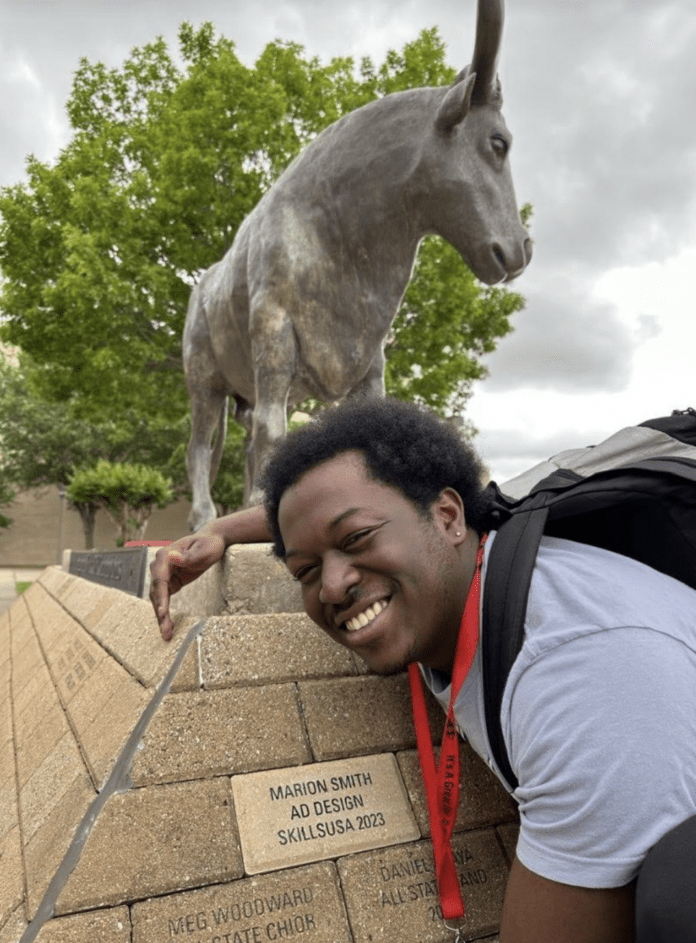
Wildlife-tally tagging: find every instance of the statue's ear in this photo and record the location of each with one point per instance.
(454, 107)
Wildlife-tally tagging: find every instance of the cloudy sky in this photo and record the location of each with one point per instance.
(601, 98)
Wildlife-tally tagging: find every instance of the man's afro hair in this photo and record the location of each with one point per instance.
(404, 446)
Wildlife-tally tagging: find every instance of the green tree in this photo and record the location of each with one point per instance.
(446, 322)
(42, 442)
(127, 493)
(7, 495)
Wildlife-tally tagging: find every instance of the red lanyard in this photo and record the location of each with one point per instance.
(442, 781)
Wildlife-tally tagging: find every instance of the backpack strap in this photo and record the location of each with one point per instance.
(506, 589)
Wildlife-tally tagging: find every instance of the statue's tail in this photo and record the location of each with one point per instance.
(216, 457)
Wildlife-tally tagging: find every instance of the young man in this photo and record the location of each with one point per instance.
(378, 511)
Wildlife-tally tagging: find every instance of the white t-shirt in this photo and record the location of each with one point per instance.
(598, 714)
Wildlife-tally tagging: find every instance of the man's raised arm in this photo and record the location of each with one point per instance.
(185, 559)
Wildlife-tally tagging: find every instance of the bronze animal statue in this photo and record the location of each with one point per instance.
(302, 302)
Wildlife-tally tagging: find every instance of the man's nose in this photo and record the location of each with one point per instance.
(338, 576)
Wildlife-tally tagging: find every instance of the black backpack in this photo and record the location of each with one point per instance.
(634, 493)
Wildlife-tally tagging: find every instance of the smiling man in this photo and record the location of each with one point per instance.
(378, 511)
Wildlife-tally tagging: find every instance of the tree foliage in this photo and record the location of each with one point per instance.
(127, 493)
(43, 442)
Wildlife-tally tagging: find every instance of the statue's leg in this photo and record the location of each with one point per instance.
(207, 405)
(274, 352)
(372, 384)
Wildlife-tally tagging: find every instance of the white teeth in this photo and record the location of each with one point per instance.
(364, 618)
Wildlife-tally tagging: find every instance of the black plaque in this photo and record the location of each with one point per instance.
(121, 569)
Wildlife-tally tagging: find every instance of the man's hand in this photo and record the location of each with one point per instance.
(184, 560)
(178, 564)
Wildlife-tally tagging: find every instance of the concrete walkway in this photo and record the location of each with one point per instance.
(9, 577)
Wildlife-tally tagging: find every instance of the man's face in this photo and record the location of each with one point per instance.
(377, 576)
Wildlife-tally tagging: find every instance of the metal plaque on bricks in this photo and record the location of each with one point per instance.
(293, 816)
(120, 569)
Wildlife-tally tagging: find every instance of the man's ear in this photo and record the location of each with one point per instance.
(448, 511)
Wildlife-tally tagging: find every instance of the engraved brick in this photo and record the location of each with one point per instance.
(155, 841)
(259, 649)
(207, 733)
(323, 810)
(392, 894)
(482, 798)
(256, 581)
(355, 716)
(304, 903)
(98, 926)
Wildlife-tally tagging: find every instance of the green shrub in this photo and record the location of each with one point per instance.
(127, 493)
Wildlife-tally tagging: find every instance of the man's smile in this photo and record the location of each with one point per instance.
(364, 618)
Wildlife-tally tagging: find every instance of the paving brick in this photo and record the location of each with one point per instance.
(508, 835)
(48, 846)
(98, 926)
(103, 740)
(482, 799)
(255, 581)
(31, 695)
(55, 580)
(9, 814)
(36, 744)
(258, 649)
(11, 874)
(88, 602)
(304, 903)
(392, 894)
(188, 677)
(208, 733)
(36, 710)
(355, 716)
(25, 663)
(156, 841)
(13, 929)
(45, 789)
(126, 627)
(92, 686)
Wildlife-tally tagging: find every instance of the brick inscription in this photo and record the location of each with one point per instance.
(74, 665)
(252, 919)
(393, 894)
(309, 813)
(304, 904)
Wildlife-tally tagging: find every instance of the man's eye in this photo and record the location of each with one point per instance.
(356, 538)
(304, 572)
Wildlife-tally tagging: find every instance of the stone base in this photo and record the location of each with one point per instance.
(145, 770)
